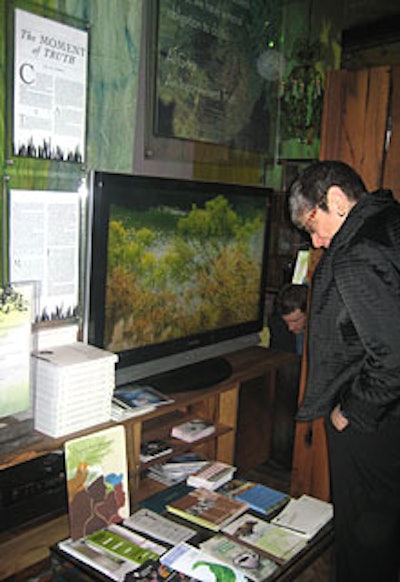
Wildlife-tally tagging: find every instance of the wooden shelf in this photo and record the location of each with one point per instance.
(219, 404)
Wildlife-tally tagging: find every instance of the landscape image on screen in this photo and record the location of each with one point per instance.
(173, 271)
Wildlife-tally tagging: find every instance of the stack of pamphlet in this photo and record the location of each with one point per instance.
(135, 399)
(214, 474)
(74, 386)
(154, 449)
(177, 468)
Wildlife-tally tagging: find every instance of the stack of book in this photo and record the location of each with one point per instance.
(212, 475)
(74, 388)
(134, 399)
(177, 468)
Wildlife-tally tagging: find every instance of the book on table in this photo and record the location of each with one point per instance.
(261, 498)
(120, 542)
(114, 552)
(207, 508)
(114, 568)
(158, 501)
(247, 560)
(275, 542)
(200, 565)
(306, 515)
(159, 527)
(212, 475)
(193, 430)
(154, 571)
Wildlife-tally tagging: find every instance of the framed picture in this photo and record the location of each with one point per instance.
(200, 56)
(47, 87)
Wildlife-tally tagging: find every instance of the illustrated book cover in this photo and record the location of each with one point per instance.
(213, 475)
(248, 561)
(159, 527)
(275, 542)
(200, 565)
(97, 480)
(207, 508)
(124, 544)
(192, 430)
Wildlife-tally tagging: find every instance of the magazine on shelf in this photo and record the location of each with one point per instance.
(159, 527)
(275, 542)
(136, 395)
(200, 565)
(192, 430)
(306, 515)
(120, 411)
(177, 468)
(212, 475)
(207, 508)
(153, 449)
(248, 561)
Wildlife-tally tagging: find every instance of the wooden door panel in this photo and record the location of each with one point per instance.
(391, 174)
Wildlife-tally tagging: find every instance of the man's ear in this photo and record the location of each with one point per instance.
(337, 201)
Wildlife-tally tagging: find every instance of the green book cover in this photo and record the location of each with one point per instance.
(116, 545)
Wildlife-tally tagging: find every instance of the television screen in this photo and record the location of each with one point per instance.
(174, 265)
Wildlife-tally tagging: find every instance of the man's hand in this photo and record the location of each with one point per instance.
(338, 420)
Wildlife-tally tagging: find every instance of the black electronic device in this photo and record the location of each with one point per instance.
(32, 491)
(176, 275)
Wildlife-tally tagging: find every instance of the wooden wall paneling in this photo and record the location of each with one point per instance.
(354, 120)
(391, 172)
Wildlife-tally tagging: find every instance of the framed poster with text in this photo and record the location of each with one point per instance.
(208, 83)
(50, 86)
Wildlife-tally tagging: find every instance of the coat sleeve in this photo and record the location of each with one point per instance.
(368, 280)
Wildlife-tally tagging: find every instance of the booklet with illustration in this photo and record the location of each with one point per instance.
(97, 480)
(248, 561)
(207, 508)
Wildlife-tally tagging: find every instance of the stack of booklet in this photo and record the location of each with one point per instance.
(74, 388)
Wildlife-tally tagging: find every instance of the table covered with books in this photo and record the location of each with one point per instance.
(241, 530)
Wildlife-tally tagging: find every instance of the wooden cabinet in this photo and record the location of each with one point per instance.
(29, 545)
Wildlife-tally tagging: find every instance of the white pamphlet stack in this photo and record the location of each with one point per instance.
(74, 384)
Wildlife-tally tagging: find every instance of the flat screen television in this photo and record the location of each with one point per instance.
(176, 276)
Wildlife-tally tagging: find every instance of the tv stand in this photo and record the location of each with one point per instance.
(191, 377)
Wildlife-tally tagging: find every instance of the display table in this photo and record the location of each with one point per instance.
(67, 568)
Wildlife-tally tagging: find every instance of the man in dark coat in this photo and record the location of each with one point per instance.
(354, 361)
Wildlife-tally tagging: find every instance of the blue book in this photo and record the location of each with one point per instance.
(260, 498)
